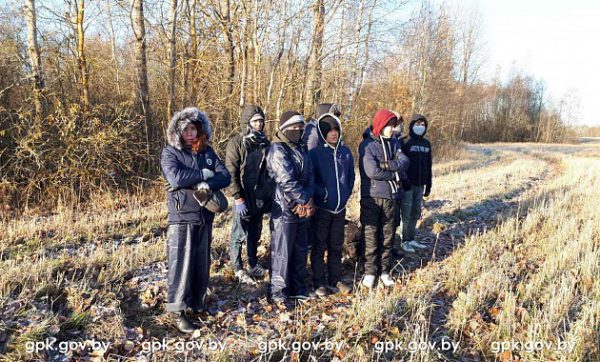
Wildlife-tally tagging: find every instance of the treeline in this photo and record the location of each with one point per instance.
(87, 87)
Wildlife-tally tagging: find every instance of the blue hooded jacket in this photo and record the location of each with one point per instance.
(183, 170)
(334, 172)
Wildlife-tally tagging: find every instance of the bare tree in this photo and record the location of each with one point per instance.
(82, 64)
(139, 31)
(312, 92)
(172, 55)
(34, 56)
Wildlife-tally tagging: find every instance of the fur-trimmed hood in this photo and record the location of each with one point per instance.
(181, 119)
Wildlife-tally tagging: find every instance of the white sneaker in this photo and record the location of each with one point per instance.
(406, 246)
(368, 281)
(416, 244)
(387, 280)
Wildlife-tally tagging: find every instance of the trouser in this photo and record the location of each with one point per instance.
(378, 219)
(248, 230)
(327, 234)
(410, 207)
(188, 258)
(289, 250)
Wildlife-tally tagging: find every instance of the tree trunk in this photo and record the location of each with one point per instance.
(313, 82)
(193, 88)
(81, 59)
(139, 31)
(34, 56)
(172, 56)
(113, 49)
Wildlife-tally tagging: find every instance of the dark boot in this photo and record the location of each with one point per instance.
(184, 324)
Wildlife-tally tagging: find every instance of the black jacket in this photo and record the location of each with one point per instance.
(418, 150)
(237, 150)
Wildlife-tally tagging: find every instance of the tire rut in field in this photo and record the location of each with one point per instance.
(477, 218)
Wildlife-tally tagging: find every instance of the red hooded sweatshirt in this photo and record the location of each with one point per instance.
(381, 119)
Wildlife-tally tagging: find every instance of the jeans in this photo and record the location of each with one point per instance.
(244, 229)
(410, 207)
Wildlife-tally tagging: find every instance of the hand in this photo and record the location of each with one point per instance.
(384, 165)
(241, 207)
(310, 208)
(406, 186)
(207, 174)
(300, 210)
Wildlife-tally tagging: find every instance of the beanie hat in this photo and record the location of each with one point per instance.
(290, 118)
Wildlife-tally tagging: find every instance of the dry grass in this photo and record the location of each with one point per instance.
(515, 256)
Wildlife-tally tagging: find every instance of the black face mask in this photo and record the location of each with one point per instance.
(294, 135)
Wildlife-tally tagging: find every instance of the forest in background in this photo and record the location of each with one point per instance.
(87, 87)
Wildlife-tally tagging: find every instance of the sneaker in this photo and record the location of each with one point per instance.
(368, 281)
(407, 247)
(256, 271)
(244, 278)
(386, 280)
(278, 298)
(321, 291)
(302, 297)
(342, 288)
(416, 244)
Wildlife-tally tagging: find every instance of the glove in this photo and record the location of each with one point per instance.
(202, 193)
(406, 186)
(206, 174)
(427, 191)
(241, 207)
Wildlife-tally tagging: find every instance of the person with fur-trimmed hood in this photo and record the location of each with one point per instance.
(418, 184)
(311, 136)
(193, 171)
(334, 179)
(290, 167)
(381, 164)
(246, 225)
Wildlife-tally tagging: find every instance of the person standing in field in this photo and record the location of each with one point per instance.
(311, 136)
(381, 163)
(418, 150)
(334, 179)
(193, 171)
(244, 155)
(290, 167)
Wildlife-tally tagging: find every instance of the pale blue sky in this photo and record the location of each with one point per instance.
(554, 40)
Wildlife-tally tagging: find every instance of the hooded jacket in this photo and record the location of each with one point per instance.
(290, 167)
(311, 136)
(334, 171)
(238, 148)
(418, 150)
(374, 149)
(183, 170)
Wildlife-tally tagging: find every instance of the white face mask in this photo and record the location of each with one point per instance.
(419, 130)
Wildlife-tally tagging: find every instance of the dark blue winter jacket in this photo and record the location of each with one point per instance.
(290, 167)
(375, 181)
(183, 171)
(334, 173)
